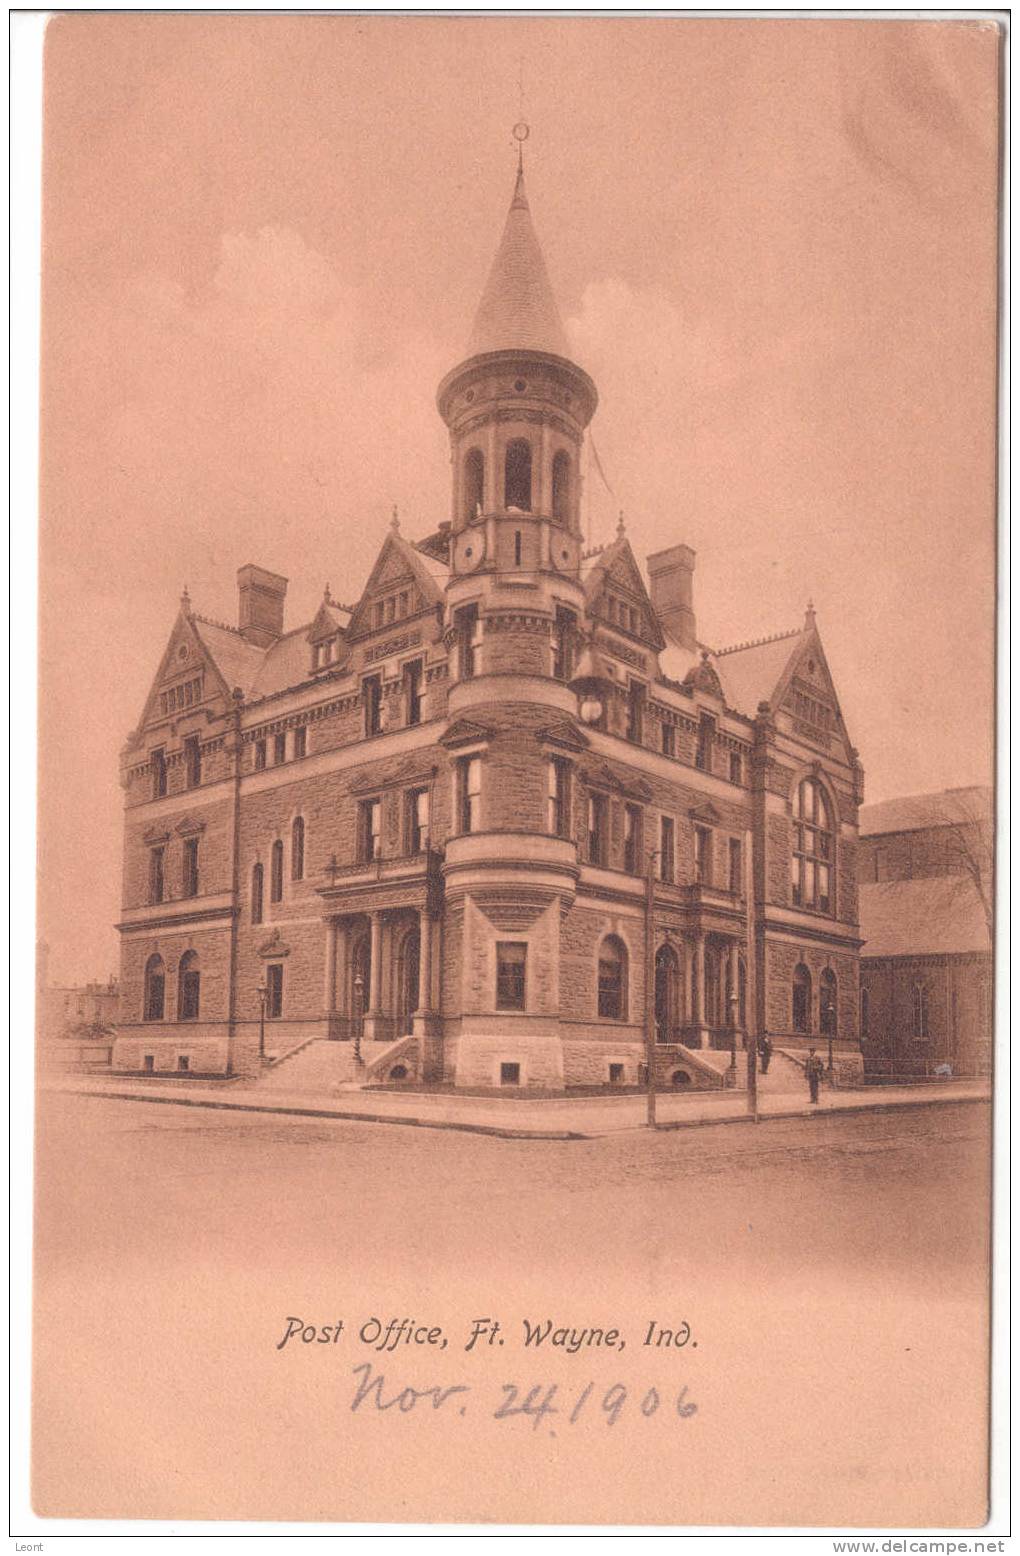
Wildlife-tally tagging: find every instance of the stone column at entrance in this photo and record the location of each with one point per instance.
(329, 993)
(700, 990)
(374, 1014)
(734, 1010)
(424, 1021)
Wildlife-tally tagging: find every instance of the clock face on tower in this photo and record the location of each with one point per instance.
(469, 549)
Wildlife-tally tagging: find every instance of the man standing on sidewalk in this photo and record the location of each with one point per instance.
(764, 1052)
(813, 1070)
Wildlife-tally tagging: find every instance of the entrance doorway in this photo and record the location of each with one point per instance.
(361, 982)
(668, 1013)
(407, 982)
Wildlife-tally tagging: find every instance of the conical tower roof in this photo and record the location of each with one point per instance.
(518, 310)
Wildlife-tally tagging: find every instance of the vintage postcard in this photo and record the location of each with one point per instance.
(517, 635)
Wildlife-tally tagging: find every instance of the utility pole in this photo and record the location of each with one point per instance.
(650, 982)
(752, 976)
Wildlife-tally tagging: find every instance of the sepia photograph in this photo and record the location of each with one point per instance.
(515, 1007)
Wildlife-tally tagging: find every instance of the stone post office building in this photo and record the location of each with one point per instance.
(417, 828)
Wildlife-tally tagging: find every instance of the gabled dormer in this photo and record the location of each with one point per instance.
(327, 635)
(189, 680)
(400, 587)
(617, 600)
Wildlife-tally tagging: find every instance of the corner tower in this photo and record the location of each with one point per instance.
(516, 408)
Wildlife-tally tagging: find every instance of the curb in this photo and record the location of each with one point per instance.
(511, 1132)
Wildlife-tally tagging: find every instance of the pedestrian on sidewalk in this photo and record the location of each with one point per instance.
(764, 1053)
(813, 1069)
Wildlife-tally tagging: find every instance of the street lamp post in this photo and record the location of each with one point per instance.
(262, 992)
(734, 1016)
(359, 1006)
(650, 983)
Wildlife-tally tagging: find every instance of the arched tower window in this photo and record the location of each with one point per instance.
(813, 851)
(256, 894)
(297, 849)
(276, 872)
(827, 1010)
(517, 475)
(474, 482)
(561, 486)
(188, 986)
(801, 999)
(155, 988)
(613, 979)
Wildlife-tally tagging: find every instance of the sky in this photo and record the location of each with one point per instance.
(774, 244)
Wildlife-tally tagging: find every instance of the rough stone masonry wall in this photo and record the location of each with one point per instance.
(144, 828)
(781, 957)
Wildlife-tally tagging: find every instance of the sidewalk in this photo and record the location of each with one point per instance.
(548, 1118)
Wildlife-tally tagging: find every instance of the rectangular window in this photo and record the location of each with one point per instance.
(184, 1063)
(158, 760)
(276, 872)
(417, 821)
(378, 613)
(371, 692)
(469, 793)
(558, 818)
(598, 814)
(412, 691)
(509, 1075)
(632, 839)
(616, 1075)
(563, 644)
(300, 741)
(467, 641)
(706, 737)
(369, 830)
(402, 603)
(511, 964)
(703, 856)
(635, 710)
(736, 767)
(667, 849)
(260, 755)
(669, 740)
(736, 865)
(149, 1063)
(279, 748)
(190, 867)
(193, 761)
(156, 881)
(274, 990)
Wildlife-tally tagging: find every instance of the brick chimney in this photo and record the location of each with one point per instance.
(260, 597)
(671, 576)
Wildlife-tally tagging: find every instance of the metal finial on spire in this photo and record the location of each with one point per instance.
(395, 520)
(809, 614)
(621, 527)
(521, 129)
(185, 601)
(326, 597)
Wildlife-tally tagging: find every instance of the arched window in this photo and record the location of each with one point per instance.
(188, 981)
(276, 872)
(920, 1011)
(613, 979)
(801, 999)
(297, 849)
(813, 853)
(474, 482)
(257, 878)
(561, 486)
(517, 475)
(155, 988)
(827, 1017)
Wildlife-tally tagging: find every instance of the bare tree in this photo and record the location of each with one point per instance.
(964, 819)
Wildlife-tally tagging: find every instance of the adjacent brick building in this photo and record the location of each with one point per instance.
(421, 822)
(926, 921)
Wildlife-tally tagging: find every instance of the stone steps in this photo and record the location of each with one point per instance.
(320, 1066)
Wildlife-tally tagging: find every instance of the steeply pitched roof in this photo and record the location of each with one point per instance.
(915, 812)
(518, 309)
(749, 675)
(237, 660)
(932, 917)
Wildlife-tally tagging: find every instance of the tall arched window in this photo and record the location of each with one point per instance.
(188, 982)
(827, 1016)
(474, 482)
(920, 1011)
(813, 852)
(155, 988)
(613, 979)
(517, 475)
(297, 849)
(561, 486)
(276, 872)
(257, 881)
(801, 999)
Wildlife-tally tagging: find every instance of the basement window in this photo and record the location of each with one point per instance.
(509, 1075)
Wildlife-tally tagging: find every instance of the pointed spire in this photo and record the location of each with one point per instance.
(518, 309)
